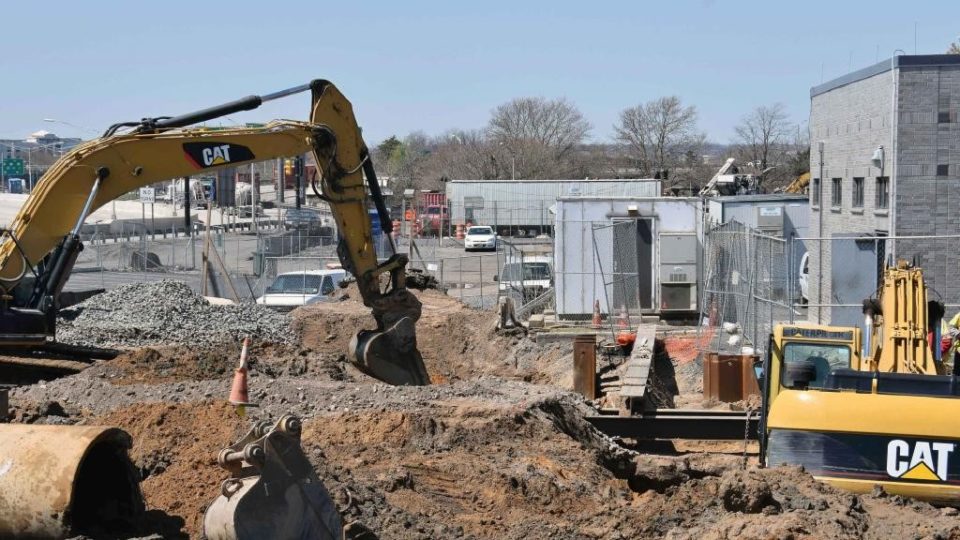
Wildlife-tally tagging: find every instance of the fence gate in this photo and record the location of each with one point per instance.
(747, 282)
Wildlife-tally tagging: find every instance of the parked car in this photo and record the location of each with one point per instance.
(293, 289)
(805, 278)
(480, 237)
(525, 279)
(304, 218)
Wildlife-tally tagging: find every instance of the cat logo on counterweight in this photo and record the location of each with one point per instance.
(920, 461)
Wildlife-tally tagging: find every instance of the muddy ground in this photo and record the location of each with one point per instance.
(496, 448)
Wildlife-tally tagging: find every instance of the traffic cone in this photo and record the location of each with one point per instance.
(239, 394)
(597, 321)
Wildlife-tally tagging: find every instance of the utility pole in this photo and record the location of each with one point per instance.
(281, 180)
(254, 197)
(186, 205)
(298, 176)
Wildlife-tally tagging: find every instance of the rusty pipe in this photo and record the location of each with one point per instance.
(57, 481)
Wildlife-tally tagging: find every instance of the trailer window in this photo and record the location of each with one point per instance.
(824, 357)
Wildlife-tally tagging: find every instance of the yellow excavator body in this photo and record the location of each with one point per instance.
(859, 409)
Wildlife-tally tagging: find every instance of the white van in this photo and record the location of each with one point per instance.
(292, 289)
(525, 279)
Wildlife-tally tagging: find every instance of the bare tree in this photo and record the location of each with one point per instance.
(658, 133)
(762, 133)
(954, 48)
(464, 154)
(539, 135)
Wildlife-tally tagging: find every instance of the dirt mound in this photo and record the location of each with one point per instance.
(457, 343)
(175, 448)
(487, 454)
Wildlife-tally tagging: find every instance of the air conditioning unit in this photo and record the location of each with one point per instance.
(770, 220)
(678, 297)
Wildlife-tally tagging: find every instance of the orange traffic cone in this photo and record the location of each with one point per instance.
(239, 394)
(597, 321)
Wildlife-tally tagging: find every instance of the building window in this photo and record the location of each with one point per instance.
(858, 192)
(943, 170)
(883, 192)
(836, 197)
(815, 192)
(943, 117)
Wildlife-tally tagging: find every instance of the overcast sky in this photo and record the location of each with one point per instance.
(433, 66)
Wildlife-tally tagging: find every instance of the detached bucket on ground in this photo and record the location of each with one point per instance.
(57, 481)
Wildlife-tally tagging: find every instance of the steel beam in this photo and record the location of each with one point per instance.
(680, 424)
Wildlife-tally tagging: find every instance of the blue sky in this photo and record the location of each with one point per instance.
(432, 66)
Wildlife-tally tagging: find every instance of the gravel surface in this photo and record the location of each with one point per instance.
(167, 313)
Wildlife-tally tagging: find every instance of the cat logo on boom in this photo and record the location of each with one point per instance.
(921, 460)
(213, 154)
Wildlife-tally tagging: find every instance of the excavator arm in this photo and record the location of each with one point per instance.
(37, 252)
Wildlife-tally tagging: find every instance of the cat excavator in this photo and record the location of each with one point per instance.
(861, 407)
(58, 480)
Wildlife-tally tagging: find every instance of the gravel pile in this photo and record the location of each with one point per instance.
(166, 313)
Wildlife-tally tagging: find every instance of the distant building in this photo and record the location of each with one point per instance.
(526, 207)
(884, 162)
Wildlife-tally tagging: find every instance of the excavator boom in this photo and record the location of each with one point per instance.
(38, 250)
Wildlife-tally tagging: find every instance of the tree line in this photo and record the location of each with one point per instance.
(540, 138)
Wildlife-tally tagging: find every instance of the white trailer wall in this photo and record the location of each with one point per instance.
(529, 202)
(579, 281)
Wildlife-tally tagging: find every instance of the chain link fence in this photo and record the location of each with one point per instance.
(253, 260)
(839, 272)
(747, 288)
(617, 255)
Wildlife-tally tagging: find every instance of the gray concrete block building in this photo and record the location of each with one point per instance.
(885, 163)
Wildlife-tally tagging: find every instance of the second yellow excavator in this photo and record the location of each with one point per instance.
(865, 407)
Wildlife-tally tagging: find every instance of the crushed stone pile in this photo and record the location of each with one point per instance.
(166, 313)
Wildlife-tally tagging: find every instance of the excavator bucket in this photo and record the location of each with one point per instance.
(273, 491)
(390, 356)
(60, 481)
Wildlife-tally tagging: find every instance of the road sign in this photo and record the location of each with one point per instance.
(148, 195)
(13, 167)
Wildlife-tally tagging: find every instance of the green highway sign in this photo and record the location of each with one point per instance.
(13, 167)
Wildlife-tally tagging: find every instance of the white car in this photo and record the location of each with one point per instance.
(480, 237)
(293, 289)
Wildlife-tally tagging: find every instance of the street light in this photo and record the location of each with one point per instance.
(81, 128)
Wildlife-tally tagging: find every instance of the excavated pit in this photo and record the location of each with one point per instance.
(498, 447)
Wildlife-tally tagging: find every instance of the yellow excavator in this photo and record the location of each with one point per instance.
(799, 184)
(865, 407)
(55, 480)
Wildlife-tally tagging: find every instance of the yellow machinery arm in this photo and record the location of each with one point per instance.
(38, 251)
(897, 323)
(799, 184)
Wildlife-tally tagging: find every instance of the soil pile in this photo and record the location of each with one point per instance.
(166, 313)
(488, 453)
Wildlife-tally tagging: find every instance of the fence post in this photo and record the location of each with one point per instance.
(481, 282)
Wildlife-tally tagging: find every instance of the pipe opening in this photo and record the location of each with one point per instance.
(106, 496)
